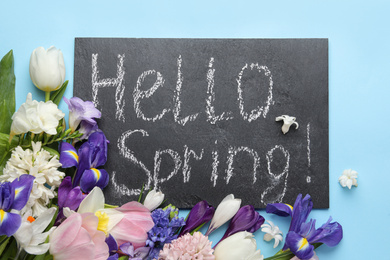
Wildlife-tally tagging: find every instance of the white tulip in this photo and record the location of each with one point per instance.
(241, 246)
(224, 212)
(36, 117)
(153, 199)
(47, 68)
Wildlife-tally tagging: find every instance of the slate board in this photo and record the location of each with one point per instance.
(195, 118)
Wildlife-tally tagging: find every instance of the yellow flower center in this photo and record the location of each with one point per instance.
(2, 213)
(304, 243)
(103, 221)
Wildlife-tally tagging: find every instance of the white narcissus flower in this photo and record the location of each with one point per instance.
(272, 232)
(224, 212)
(348, 178)
(47, 68)
(241, 246)
(153, 199)
(30, 235)
(40, 164)
(36, 117)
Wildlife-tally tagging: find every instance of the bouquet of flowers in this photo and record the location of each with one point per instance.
(52, 205)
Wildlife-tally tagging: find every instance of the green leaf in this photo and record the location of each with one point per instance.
(51, 151)
(7, 92)
(3, 244)
(123, 258)
(287, 255)
(11, 249)
(56, 96)
(5, 149)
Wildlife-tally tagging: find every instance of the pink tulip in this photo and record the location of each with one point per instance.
(134, 225)
(78, 238)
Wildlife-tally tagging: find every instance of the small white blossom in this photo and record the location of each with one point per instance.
(43, 166)
(272, 232)
(287, 122)
(348, 178)
(36, 117)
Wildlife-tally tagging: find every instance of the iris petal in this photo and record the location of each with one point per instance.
(330, 234)
(279, 209)
(94, 177)
(22, 187)
(68, 155)
(9, 223)
(299, 246)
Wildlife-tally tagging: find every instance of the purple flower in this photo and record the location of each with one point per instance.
(81, 111)
(301, 234)
(246, 219)
(167, 223)
(201, 213)
(137, 254)
(68, 197)
(91, 154)
(13, 196)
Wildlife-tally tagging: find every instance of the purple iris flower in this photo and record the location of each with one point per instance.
(68, 197)
(201, 213)
(91, 154)
(303, 234)
(82, 113)
(13, 195)
(246, 219)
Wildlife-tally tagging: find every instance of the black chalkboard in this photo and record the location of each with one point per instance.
(196, 117)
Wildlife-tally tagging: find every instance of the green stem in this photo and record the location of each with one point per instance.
(47, 96)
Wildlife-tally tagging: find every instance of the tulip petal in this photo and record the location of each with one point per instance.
(224, 212)
(68, 155)
(9, 223)
(22, 187)
(93, 202)
(94, 177)
(65, 233)
(201, 213)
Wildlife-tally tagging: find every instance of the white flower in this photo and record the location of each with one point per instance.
(287, 122)
(348, 178)
(153, 199)
(36, 117)
(43, 166)
(47, 68)
(241, 246)
(30, 235)
(224, 212)
(272, 232)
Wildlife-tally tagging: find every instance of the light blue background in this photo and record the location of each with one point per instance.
(359, 65)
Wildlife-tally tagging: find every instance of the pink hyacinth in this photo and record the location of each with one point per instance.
(188, 247)
(78, 238)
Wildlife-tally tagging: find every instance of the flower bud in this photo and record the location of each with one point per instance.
(47, 68)
(153, 199)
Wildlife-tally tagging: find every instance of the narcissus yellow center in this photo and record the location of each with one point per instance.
(103, 221)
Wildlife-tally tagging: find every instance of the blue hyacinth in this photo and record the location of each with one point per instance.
(167, 225)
